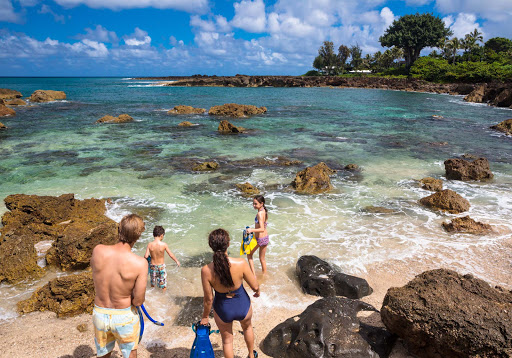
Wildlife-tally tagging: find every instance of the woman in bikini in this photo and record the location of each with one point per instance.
(260, 232)
(225, 276)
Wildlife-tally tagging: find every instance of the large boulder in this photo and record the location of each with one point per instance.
(313, 180)
(431, 184)
(461, 169)
(226, 127)
(205, 166)
(505, 126)
(330, 327)
(446, 200)
(123, 118)
(248, 189)
(6, 111)
(74, 227)
(320, 278)
(16, 102)
(47, 96)
(443, 314)
(478, 95)
(67, 296)
(186, 110)
(236, 110)
(6, 93)
(467, 225)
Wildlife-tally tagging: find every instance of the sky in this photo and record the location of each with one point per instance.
(186, 37)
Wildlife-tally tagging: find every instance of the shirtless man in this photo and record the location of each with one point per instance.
(120, 279)
(156, 251)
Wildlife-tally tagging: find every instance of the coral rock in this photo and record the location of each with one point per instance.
(236, 110)
(186, 124)
(206, 166)
(446, 200)
(47, 96)
(6, 93)
(314, 180)
(431, 184)
(123, 118)
(6, 111)
(16, 102)
(226, 127)
(186, 110)
(460, 169)
(247, 189)
(467, 225)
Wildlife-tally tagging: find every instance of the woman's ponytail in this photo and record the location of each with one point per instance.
(219, 242)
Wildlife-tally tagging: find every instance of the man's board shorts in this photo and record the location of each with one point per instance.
(115, 325)
(158, 275)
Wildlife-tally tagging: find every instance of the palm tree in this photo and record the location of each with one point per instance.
(452, 46)
(476, 36)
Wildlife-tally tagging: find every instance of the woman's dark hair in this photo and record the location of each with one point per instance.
(219, 242)
(260, 199)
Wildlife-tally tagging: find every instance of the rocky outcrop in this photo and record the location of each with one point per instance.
(205, 166)
(468, 226)
(313, 180)
(446, 200)
(74, 227)
(185, 124)
(236, 110)
(477, 95)
(123, 118)
(186, 110)
(248, 189)
(319, 278)
(226, 127)
(505, 126)
(443, 314)
(16, 102)
(6, 93)
(66, 296)
(6, 111)
(460, 169)
(431, 184)
(47, 96)
(330, 327)
(503, 98)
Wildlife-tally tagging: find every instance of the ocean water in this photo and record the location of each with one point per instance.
(55, 148)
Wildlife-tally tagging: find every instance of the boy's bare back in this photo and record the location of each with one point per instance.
(157, 252)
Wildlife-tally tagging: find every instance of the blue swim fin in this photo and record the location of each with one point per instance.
(202, 347)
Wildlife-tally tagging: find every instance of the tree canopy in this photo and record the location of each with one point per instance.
(412, 33)
(499, 44)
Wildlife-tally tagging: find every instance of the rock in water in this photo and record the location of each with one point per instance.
(467, 225)
(16, 102)
(186, 110)
(6, 111)
(460, 169)
(329, 328)
(226, 127)
(248, 189)
(236, 110)
(446, 200)
(505, 126)
(320, 278)
(123, 118)
(6, 93)
(47, 96)
(314, 180)
(431, 184)
(443, 314)
(2, 126)
(185, 124)
(206, 166)
(67, 296)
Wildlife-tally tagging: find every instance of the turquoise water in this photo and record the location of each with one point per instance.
(55, 148)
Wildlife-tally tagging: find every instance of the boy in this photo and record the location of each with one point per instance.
(156, 251)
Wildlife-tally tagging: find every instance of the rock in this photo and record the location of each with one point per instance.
(2, 126)
(467, 225)
(67, 296)
(236, 110)
(73, 226)
(226, 127)
(443, 314)
(446, 200)
(313, 180)
(320, 278)
(186, 110)
(352, 167)
(6, 93)
(370, 209)
(46, 96)
(330, 327)
(503, 99)
(82, 327)
(431, 184)
(6, 111)
(206, 166)
(16, 102)
(186, 124)
(248, 189)
(505, 126)
(477, 95)
(123, 118)
(460, 169)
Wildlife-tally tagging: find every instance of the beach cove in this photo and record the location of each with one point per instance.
(395, 138)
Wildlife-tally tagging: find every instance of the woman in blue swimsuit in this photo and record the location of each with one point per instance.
(225, 276)
(260, 231)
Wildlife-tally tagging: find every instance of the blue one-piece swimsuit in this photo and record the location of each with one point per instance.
(234, 308)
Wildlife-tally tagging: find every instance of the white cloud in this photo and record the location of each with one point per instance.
(250, 16)
(462, 25)
(99, 34)
(487, 9)
(193, 6)
(138, 38)
(45, 9)
(7, 13)
(174, 42)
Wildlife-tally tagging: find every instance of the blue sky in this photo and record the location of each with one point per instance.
(185, 37)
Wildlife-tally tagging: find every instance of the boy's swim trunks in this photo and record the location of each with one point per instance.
(115, 325)
(158, 275)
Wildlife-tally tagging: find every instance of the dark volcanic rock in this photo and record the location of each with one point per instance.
(67, 296)
(329, 328)
(446, 200)
(226, 127)
(320, 278)
(460, 169)
(313, 180)
(443, 314)
(236, 110)
(431, 184)
(505, 126)
(467, 225)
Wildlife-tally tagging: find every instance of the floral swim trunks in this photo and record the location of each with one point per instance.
(115, 325)
(158, 275)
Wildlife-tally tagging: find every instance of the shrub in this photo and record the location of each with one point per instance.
(312, 73)
(429, 69)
